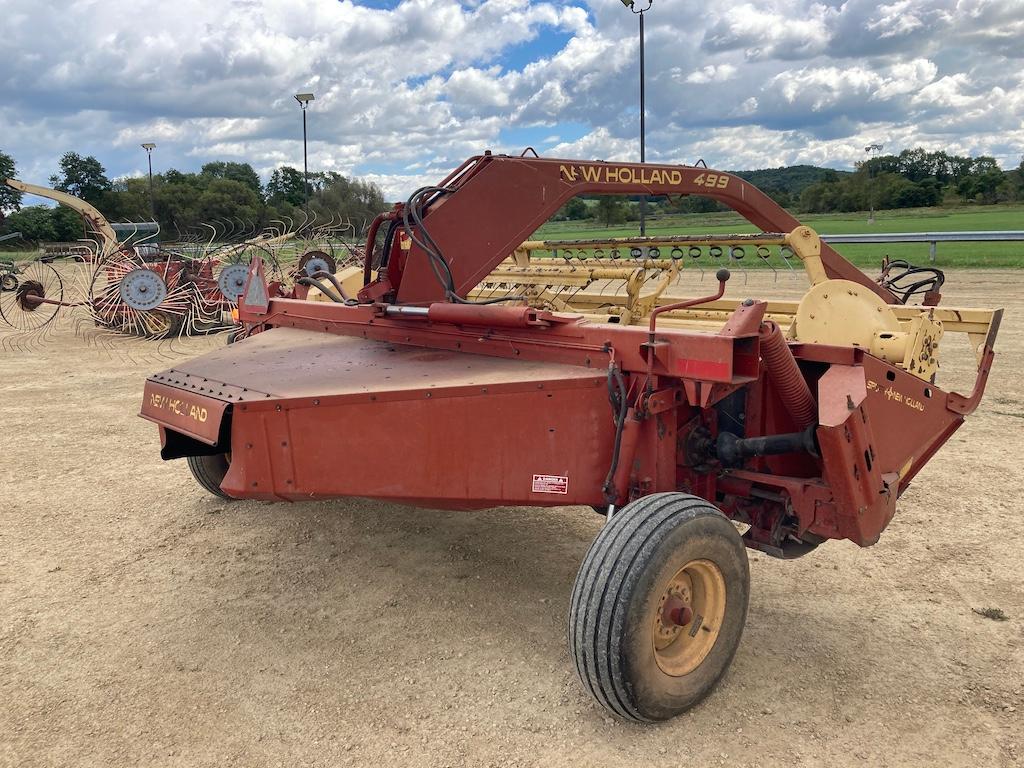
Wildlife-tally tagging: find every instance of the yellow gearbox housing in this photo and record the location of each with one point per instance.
(845, 314)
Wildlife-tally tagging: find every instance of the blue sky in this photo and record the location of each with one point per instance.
(407, 89)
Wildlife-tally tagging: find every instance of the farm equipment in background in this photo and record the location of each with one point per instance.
(9, 271)
(134, 285)
(31, 295)
(95, 221)
(462, 375)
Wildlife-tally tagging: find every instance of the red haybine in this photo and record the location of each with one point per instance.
(678, 432)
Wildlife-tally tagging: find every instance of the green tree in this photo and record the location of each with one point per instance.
(991, 185)
(82, 177)
(691, 204)
(67, 224)
(240, 172)
(175, 204)
(353, 199)
(924, 194)
(967, 188)
(41, 222)
(35, 222)
(128, 200)
(286, 185)
(781, 196)
(574, 210)
(611, 210)
(984, 164)
(10, 199)
(228, 199)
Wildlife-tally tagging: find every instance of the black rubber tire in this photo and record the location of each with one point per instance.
(209, 472)
(616, 595)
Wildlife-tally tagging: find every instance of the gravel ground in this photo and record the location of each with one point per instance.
(143, 622)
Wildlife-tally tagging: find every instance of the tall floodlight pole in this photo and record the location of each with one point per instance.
(304, 99)
(875, 149)
(631, 4)
(149, 147)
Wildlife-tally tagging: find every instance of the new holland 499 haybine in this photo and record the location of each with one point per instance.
(686, 421)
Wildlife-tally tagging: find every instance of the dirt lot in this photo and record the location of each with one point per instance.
(143, 622)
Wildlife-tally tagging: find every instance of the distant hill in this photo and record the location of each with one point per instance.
(790, 181)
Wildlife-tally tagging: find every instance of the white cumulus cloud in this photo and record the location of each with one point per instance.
(407, 91)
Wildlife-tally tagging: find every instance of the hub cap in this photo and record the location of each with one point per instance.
(316, 265)
(232, 281)
(142, 289)
(27, 291)
(313, 262)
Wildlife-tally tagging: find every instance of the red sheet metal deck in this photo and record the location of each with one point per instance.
(326, 416)
(288, 363)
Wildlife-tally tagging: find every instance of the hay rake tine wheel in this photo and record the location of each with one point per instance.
(36, 301)
(129, 295)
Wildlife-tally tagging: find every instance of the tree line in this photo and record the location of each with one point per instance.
(220, 193)
(232, 192)
(915, 178)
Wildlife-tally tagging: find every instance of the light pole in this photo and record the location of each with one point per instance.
(631, 4)
(149, 147)
(877, 150)
(304, 99)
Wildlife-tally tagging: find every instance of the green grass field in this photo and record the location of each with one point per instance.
(17, 255)
(867, 255)
(975, 218)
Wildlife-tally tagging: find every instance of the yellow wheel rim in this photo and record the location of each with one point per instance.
(156, 323)
(689, 617)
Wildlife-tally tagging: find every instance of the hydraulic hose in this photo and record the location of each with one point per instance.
(322, 287)
(321, 275)
(412, 214)
(617, 395)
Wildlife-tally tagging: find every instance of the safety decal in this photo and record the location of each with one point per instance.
(550, 484)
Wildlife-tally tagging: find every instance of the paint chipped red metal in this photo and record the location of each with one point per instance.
(192, 414)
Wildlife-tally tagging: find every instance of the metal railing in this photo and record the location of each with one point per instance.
(932, 238)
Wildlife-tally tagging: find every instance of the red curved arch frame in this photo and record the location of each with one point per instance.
(499, 201)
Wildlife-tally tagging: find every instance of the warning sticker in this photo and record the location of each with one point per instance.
(550, 484)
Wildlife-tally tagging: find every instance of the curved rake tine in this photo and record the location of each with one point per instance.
(213, 234)
(765, 254)
(152, 237)
(305, 221)
(783, 250)
(736, 255)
